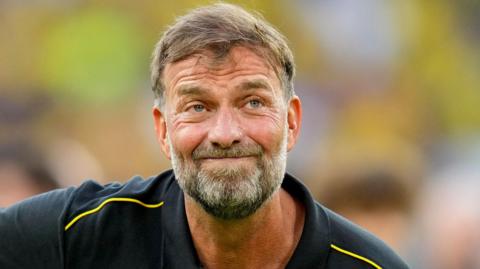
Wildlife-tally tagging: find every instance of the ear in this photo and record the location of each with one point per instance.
(161, 130)
(294, 119)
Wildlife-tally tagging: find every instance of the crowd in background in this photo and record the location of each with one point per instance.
(391, 131)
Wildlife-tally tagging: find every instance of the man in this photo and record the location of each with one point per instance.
(226, 115)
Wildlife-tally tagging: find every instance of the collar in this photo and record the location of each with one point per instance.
(314, 245)
(179, 251)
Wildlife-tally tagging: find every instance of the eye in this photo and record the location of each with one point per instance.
(255, 103)
(198, 108)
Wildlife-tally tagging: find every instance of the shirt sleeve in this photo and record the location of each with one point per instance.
(31, 232)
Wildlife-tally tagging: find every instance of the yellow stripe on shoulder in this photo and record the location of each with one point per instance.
(114, 199)
(355, 256)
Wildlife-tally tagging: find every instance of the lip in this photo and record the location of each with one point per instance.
(227, 158)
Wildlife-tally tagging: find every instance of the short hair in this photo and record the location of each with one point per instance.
(218, 28)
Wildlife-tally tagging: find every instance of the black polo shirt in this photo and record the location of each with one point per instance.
(142, 224)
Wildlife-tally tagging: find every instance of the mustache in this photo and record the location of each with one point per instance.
(237, 151)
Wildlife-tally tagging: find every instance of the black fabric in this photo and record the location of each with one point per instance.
(128, 235)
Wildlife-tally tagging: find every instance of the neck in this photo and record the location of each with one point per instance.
(266, 239)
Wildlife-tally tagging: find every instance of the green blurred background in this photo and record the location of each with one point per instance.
(390, 86)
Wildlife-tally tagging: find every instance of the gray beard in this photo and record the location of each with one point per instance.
(232, 192)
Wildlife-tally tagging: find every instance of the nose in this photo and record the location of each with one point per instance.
(226, 130)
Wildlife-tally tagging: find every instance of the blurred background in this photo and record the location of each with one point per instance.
(390, 89)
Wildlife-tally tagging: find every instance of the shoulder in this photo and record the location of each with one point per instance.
(350, 244)
(38, 214)
(92, 199)
(49, 227)
(331, 241)
(124, 215)
(33, 228)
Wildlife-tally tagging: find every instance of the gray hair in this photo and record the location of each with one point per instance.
(218, 28)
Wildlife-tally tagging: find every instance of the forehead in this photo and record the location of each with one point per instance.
(240, 62)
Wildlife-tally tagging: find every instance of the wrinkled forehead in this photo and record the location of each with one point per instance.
(238, 58)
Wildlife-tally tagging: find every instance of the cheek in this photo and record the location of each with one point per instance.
(185, 139)
(268, 134)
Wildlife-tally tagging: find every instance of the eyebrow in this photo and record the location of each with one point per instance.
(254, 84)
(190, 90)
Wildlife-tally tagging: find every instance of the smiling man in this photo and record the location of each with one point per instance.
(226, 127)
(226, 115)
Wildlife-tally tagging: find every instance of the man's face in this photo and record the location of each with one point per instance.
(227, 128)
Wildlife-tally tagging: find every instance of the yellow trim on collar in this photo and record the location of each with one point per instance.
(115, 199)
(355, 256)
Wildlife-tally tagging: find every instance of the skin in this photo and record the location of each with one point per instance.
(235, 101)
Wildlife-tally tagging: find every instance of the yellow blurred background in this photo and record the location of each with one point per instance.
(390, 91)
